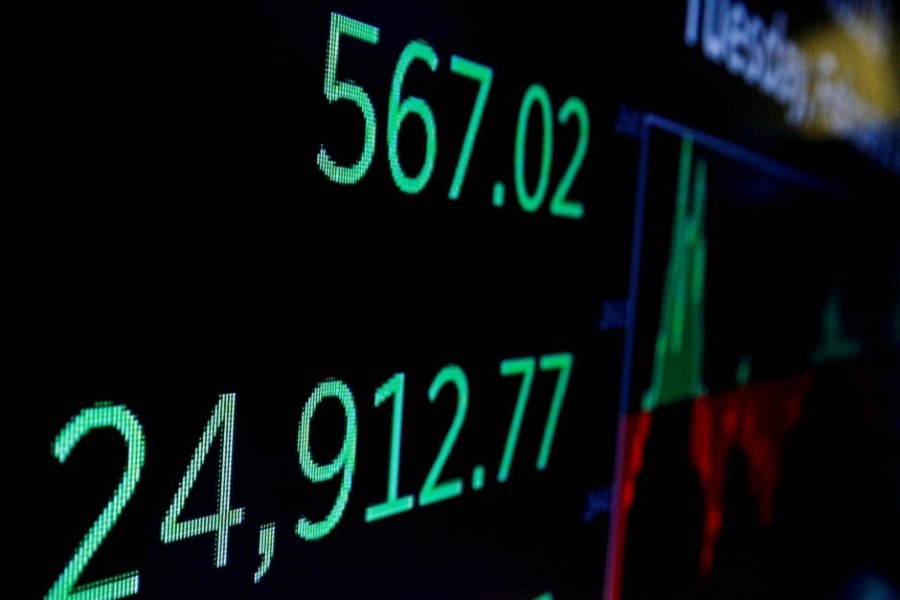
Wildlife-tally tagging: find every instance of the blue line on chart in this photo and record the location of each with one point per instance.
(729, 150)
(636, 241)
(741, 154)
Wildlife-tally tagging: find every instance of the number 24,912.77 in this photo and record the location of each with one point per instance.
(400, 108)
(221, 425)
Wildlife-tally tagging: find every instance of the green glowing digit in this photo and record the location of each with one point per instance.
(563, 363)
(340, 90)
(398, 111)
(559, 205)
(432, 491)
(484, 76)
(123, 421)
(534, 94)
(525, 368)
(344, 461)
(222, 419)
(392, 388)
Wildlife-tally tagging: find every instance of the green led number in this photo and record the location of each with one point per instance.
(559, 205)
(344, 461)
(484, 76)
(535, 94)
(398, 111)
(554, 362)
(524, 367)
(123, 421)
(432, 491)
(340, 90)
(222, 420)
(392, 388)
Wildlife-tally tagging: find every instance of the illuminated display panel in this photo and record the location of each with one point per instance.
(365, 300)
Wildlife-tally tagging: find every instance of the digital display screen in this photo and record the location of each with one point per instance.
(461, 301)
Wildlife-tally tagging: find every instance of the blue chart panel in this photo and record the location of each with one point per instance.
(748, 297)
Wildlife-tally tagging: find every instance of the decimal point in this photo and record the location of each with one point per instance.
(478, 477)
(499, 193)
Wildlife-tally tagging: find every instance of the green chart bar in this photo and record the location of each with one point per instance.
(678, 355)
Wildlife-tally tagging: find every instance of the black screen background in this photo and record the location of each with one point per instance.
(174, 240)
